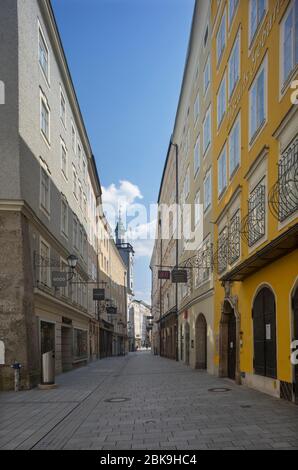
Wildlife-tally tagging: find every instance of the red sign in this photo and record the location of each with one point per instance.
(165, 275)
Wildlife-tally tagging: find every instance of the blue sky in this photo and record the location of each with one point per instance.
(127, 58)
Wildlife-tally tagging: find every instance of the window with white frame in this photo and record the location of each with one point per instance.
(75, 234)
(186, 185)
(222, 172)
(233, 4)
(80, 195)
(62, 108)
(221, 38)
(234, 147)
(64, 216)
(197, 208)
(84, 169)
(64, 269)
(44, 118)
(257, 10)
(257, 98)
(197, 108)
(44, 274)
(63, 159)
(207, 131)
(207, 191)
(75, 182)
(73, 138)
(207, 75)
(43, 54)
(289, 41)
(44, 190)
(234, 66)
(79, 155)
(205, 257)
(221, 101)
(197, 156)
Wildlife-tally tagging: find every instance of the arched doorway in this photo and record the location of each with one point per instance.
(201, 343)
(295, 338)
(229, 343)
(264, 329)
(187, 343)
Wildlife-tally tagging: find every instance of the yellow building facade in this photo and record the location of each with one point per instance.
(255, 192)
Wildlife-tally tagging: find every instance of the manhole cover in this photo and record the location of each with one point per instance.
(116, 400)
(219, 390)
(245, 406)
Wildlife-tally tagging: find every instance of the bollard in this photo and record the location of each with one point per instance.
(17, 367)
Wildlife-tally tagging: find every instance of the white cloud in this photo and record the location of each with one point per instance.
(127, 193)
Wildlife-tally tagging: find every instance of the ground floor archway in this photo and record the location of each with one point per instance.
(201, 343)
(229, 344)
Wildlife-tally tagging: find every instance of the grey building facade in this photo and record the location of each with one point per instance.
(50, 197)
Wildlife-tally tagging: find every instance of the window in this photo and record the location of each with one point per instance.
(197, 208)
(186, 185)
(73, 138)
(79, 155)
(207, 75)
(222, 172)
(234, 148)
(80, 344)
(205, 257)
(44, 275)
(43, 55)
(197, 156)
(75, 184)
(80, 196)
(62, 108)
(44, 118)
(75, 233)
(45, 190)
(221, 38)
(234, 66)
(207, 191)
(64, 269)
(233, 4)
(222, 255)
(85, 206)
(197, 108)
(63, 160)
(289, 39)
(207, 131)
(257, 105)
(257, 214)
(221, 101)
(257, 13)
(234, 238)
(64, 217)
(84, 169)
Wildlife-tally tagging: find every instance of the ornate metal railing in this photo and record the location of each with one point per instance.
(253, 226)
(223, 251)
(234, 238)
(283, 196)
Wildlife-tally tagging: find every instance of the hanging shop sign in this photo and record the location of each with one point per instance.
(59, 279)
(99, 294)
(164, 275)
(112, 310)
(179, 276)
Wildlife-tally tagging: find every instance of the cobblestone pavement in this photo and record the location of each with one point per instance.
(169, 406)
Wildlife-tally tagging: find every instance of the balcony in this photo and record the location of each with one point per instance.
(283, 197)
(253, 227)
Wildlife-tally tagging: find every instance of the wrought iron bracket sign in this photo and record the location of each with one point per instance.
(59, 279)
(179, 276)
(99, 294)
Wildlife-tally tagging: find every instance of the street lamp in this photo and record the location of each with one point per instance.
(72, 261)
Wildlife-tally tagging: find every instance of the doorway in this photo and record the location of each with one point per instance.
(264, 328)
(187, 343)
(232, 347)
(66, 348)
(201, 343)
(295, 317)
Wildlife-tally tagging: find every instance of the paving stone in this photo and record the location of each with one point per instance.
(169, 408)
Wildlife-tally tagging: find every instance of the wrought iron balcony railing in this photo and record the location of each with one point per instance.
(283, 196)
(253, 226)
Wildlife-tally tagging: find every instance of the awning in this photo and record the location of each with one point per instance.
(281, 246)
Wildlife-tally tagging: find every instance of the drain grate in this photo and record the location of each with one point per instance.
(117, 400)
(245, 406)
(219, 390)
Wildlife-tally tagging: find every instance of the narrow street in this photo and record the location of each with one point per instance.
(167, 406)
